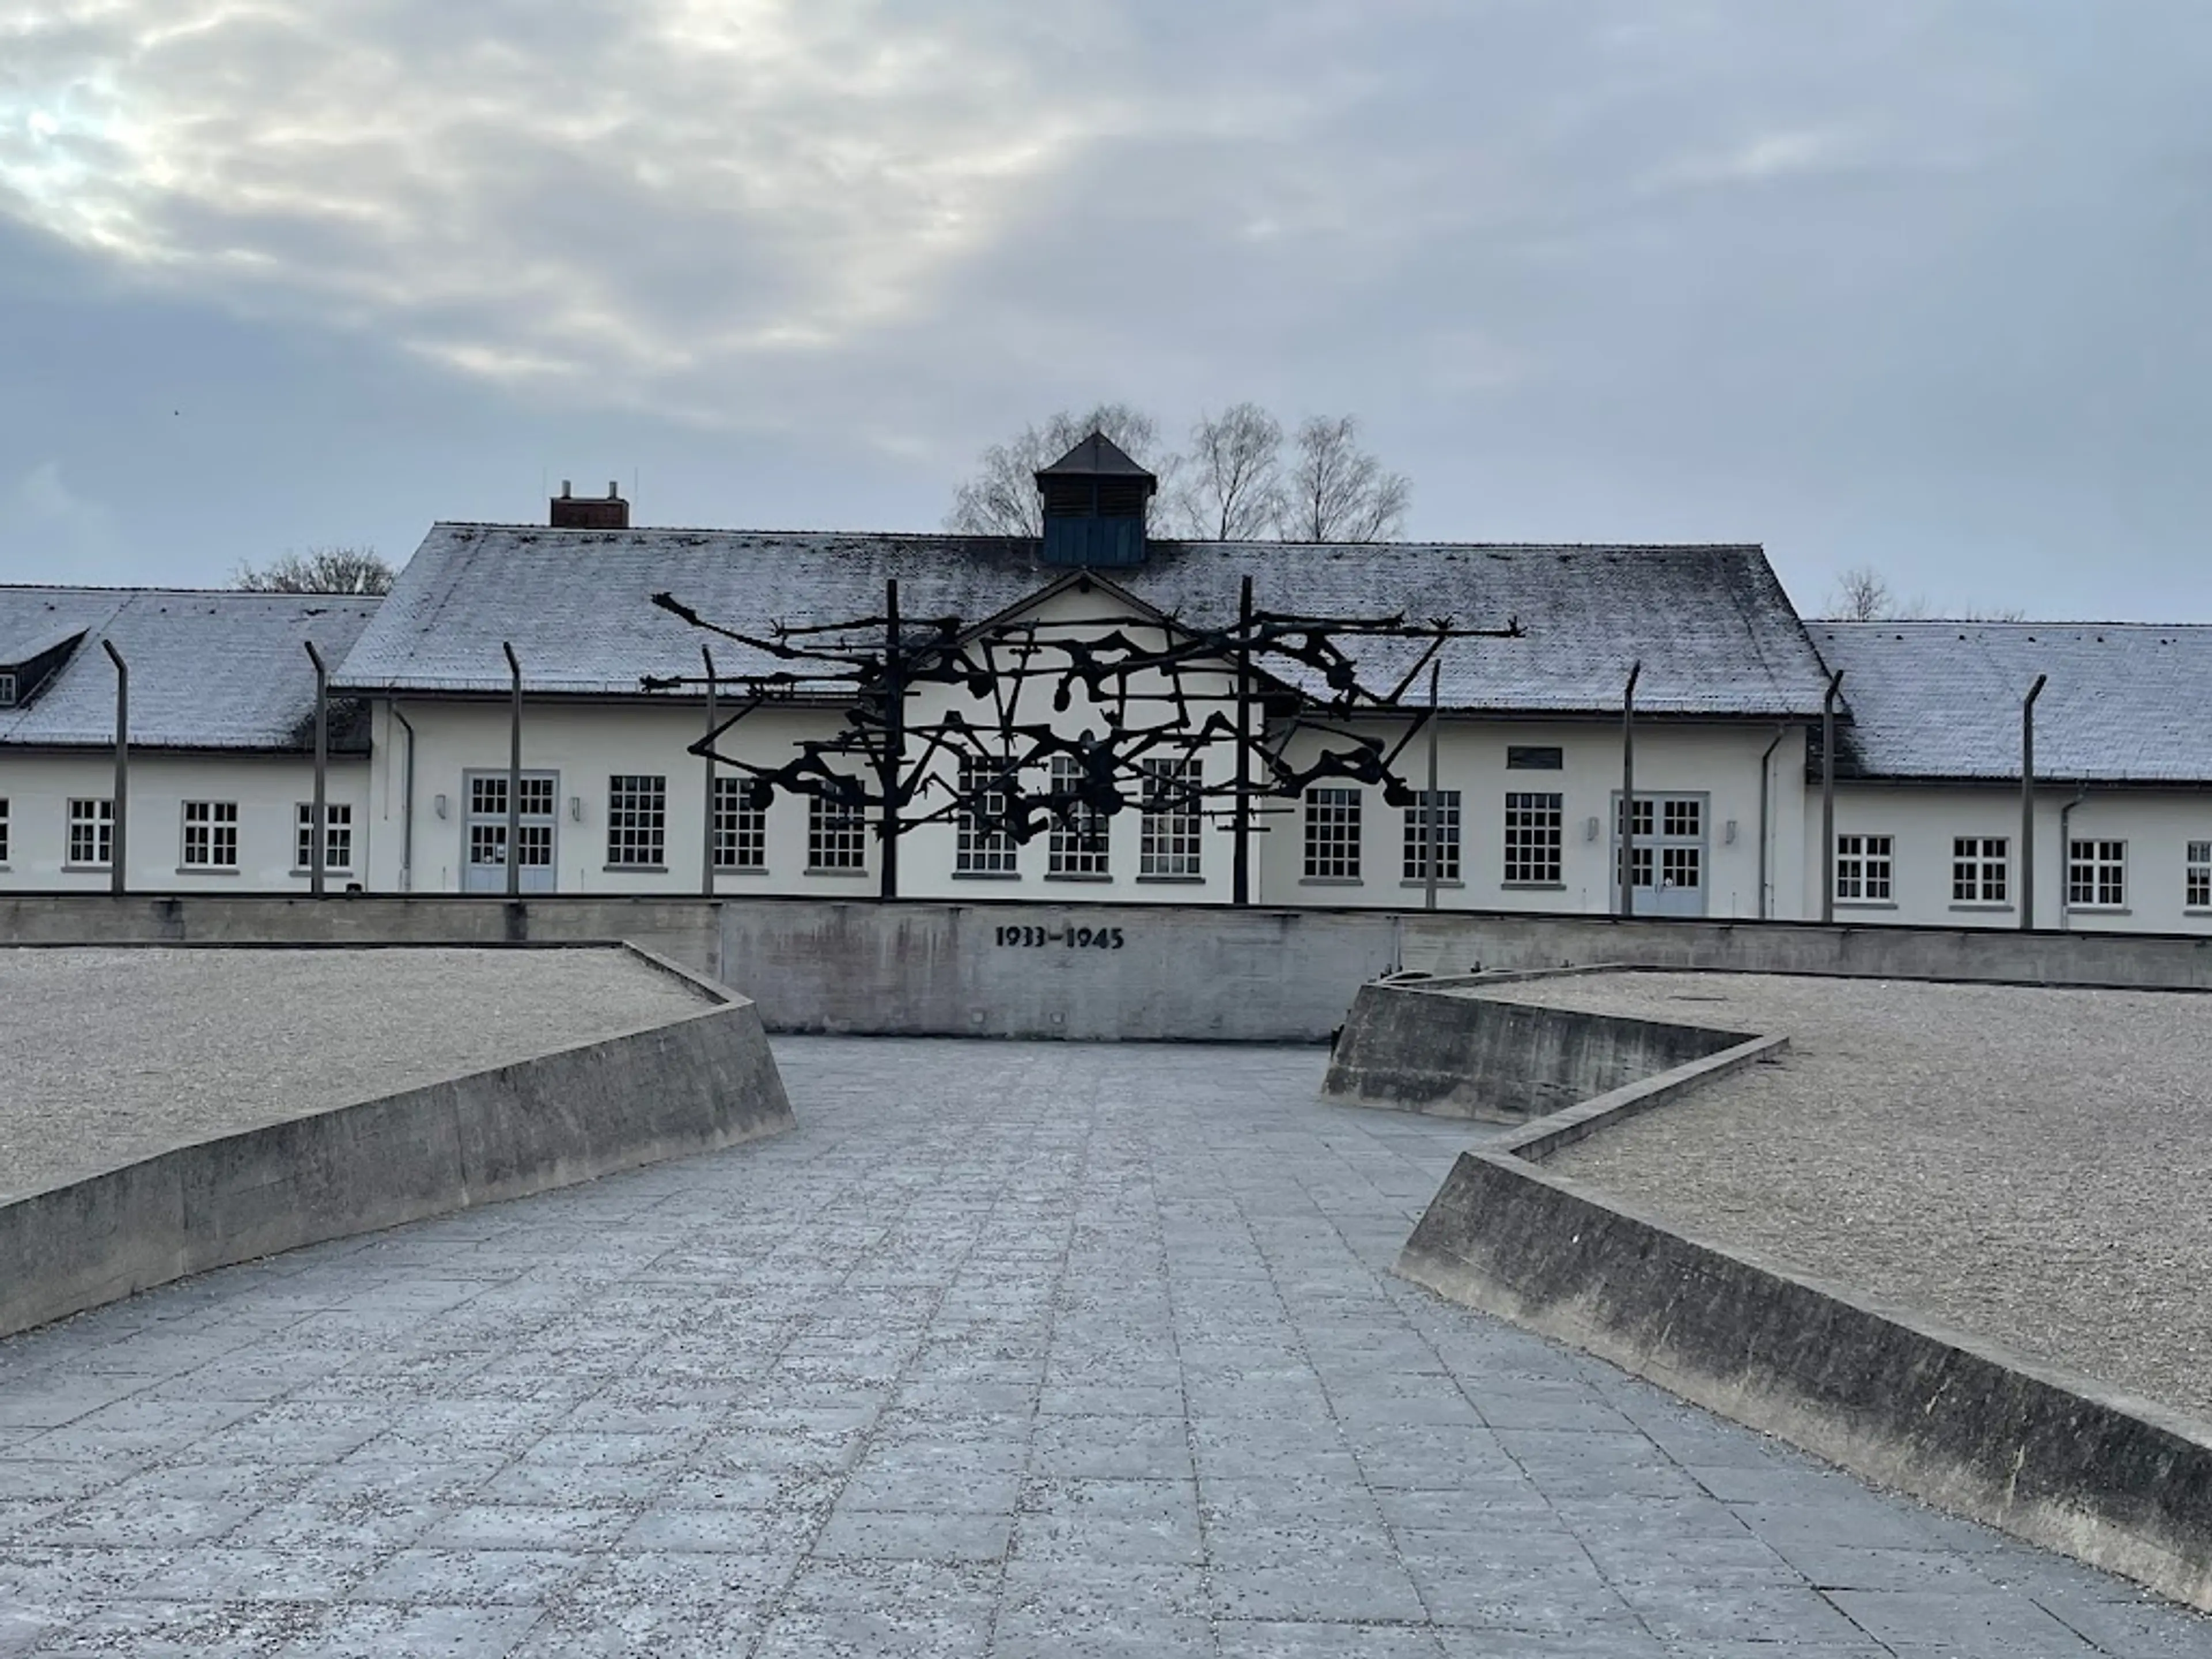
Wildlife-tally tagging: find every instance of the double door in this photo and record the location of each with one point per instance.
(1668, 869)
(484, 829)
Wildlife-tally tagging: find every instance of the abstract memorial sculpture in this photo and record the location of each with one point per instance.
(1162, 692)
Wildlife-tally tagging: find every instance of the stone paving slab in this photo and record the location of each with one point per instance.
(1010, 1350)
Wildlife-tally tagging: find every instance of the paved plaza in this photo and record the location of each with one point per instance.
(1009, 1349)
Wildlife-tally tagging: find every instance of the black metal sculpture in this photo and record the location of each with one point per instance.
(1143, 674)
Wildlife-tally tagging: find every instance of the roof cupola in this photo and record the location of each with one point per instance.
(1095, 502)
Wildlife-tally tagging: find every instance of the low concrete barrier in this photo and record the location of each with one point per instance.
(1004, 968)
(2051, 1458)
(1404, 1048)
(693, 1085)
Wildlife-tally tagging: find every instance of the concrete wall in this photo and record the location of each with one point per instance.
(1959, 1422)
(1408, 1049)
(267, 789)
(1922, 822)
(691, 1085)
(1258, 974)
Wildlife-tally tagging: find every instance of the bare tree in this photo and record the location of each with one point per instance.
(318, 570)
(1231, 489)
(1862, 594)
(1001, 498)
(1339, 492)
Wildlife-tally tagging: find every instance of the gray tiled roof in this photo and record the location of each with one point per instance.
(208, 669)
(2125, 702)
(1714, 630)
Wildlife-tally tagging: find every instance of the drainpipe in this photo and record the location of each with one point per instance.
(1765, 777)
(2065, 857)
(1628, 791)
(117, 849)
(2028, 807)
(318, 850)
(713, 714)
(1828, 797)
(406, 807)
(514, 778)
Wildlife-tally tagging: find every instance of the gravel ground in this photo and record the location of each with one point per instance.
(2031, 1165)
(109, 1056)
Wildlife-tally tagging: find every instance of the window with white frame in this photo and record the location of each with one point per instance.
(211, 835)
(1417, 830)
(637, 821)
(1979, 870)
(3, 832)
(982, 845)
(1168, 834)
(1076, 845)
(1333, 834)
(338, 836)
(7, 689)
(2097, 874)
(2196, 884)
(836, 836)
(740, 826)
(1534, 824)
(1864, 864)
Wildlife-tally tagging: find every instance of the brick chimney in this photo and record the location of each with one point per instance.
(578, 512)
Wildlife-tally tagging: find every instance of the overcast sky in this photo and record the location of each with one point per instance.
(1919, 285)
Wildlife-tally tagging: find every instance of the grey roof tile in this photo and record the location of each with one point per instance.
(208, 669)
(1714, 630)
(2126, 702)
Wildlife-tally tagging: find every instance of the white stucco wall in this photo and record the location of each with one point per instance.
(267, 790)
(1924, 820)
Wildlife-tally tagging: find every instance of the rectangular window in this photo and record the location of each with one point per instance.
(2198, 895)
(1863, 866)
(1168, 837)
(1076, 845)
(1446, 803)
(740, 827)
(1333, 834)
(1533, 836)
(983, 846)
(2097, 874)
(211, 835)
(638, 819)
(7, 690)
(3, 832)
(1980, 869)
(1519, 759)
(836, 836)
(338, 836)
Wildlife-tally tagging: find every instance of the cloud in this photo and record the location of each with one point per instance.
(46, 525)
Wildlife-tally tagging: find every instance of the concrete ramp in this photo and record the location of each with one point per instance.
(1450, 1053)
(698, 1077)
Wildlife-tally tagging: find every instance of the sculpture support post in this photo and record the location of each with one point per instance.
(1241, 885)
(707, 856)
(893, 764)
(1828, 797)
(1432, 806)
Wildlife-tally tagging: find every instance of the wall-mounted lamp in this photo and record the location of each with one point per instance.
(575, 809)
(1727, 833)
(1589, 828)
(438, 804)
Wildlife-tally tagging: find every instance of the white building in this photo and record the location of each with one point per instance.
(1530, 754)
(219, 782)
(1929, 826)
(1529, 747)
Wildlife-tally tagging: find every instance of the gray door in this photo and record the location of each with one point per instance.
(1668, 872)
(483, 831)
